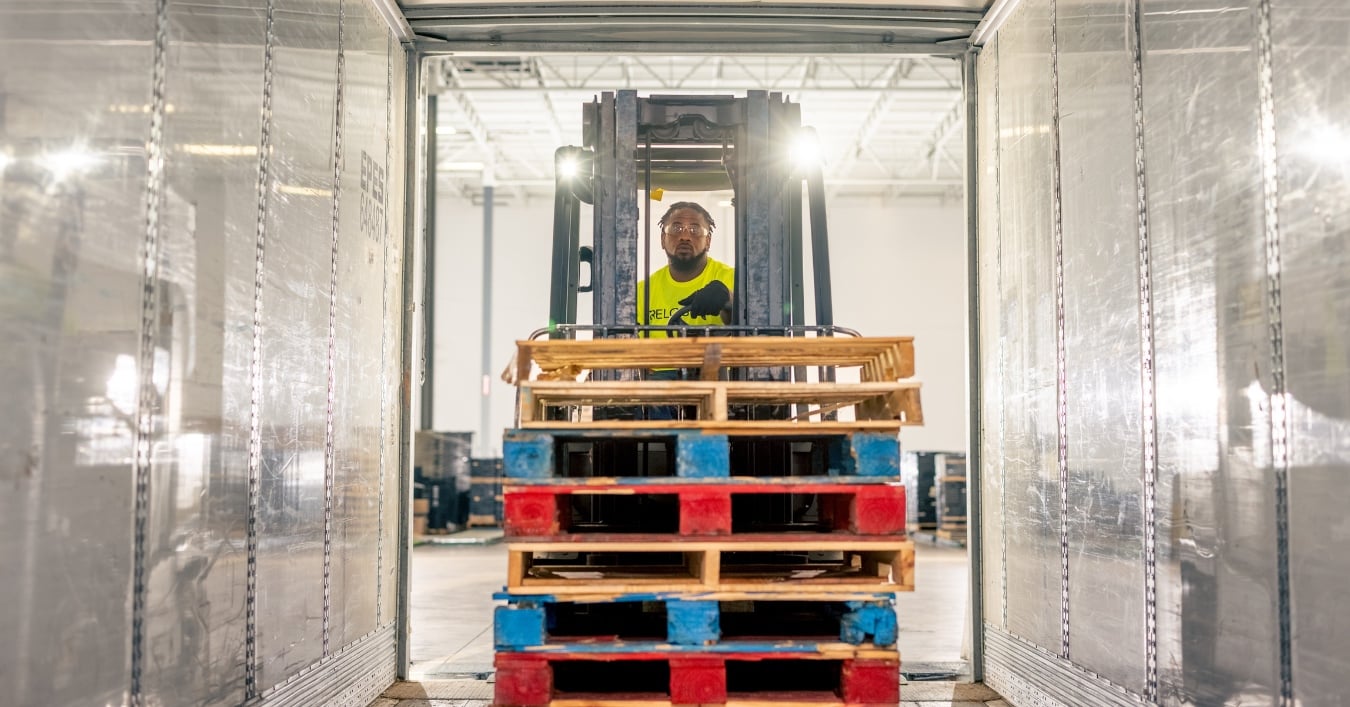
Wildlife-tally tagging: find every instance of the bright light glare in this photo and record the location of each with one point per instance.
(568, 168)
(805, 150)
(121, 388)
(1328, 143)
(216, 150)
(67, 162)
(4, 161)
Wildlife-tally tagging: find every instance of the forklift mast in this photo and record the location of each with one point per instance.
(632, 145)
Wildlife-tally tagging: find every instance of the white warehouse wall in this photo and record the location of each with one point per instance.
(898, 268)
(908, 279)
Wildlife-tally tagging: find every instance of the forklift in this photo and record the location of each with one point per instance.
(632, 147)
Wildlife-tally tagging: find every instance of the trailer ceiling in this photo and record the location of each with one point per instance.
(793, 28)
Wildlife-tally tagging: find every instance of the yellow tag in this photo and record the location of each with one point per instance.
(657, 193)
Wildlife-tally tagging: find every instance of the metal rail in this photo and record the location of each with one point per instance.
(611, 329)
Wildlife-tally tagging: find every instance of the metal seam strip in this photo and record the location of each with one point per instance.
(413, 230)
(1279, 397)
(1148, 376)
(329, 446)
(1002, 345)
(146, 404)
(1061, 379)
(255, 369)
(384, 338)
(975, 415)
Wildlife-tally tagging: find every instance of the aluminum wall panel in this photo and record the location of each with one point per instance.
(1218, 636)
(138, 269)
(1101, 311)
(295, 309)
(1227, 327)
(1312, 117)
(1027, 303)
(196, 558)
(991, 339)
(363, 234)
(73, 136)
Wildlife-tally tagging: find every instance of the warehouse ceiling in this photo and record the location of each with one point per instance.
(880, 82)
(888, 126)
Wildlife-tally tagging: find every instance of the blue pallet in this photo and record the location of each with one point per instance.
(693, 625)
(528, 454)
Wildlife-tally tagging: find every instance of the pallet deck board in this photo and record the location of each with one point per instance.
(881, 358)
(635, 624)
(868, 565)
(701, 452)
(841, 511)
(736, 427)
(890, 401)
(548, 679)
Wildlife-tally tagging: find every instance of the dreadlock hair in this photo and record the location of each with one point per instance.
(688, 205)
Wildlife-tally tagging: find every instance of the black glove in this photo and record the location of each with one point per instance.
(708, 301)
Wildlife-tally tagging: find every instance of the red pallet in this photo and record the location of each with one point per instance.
(538, 511)
(528, 680)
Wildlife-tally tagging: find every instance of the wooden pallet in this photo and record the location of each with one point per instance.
(894, 402)
(550, 679)
(880, 358)
(532, 454)
(657, 563)
(700, 509)
(641, 623)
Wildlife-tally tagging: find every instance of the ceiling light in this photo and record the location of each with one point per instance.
(5, 159)
(460, 167)
(445, 130)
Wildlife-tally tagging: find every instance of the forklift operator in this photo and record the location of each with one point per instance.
(692, 278)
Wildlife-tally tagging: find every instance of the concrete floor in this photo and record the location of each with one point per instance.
(452, 587)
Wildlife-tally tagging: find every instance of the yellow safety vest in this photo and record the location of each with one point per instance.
(667, 293)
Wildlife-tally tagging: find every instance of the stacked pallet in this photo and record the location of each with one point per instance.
(712, 559)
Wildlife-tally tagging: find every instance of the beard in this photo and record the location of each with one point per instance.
(686, 258)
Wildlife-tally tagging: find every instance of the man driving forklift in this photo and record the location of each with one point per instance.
(691, 280)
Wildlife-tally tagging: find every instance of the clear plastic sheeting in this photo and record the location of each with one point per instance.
(1247, 181)
(1101, 331)
(1031, 512)
(1312, 120)
(72, 222)
(131, 301)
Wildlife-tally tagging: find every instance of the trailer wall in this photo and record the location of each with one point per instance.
(1164, 264)
(201, 265)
